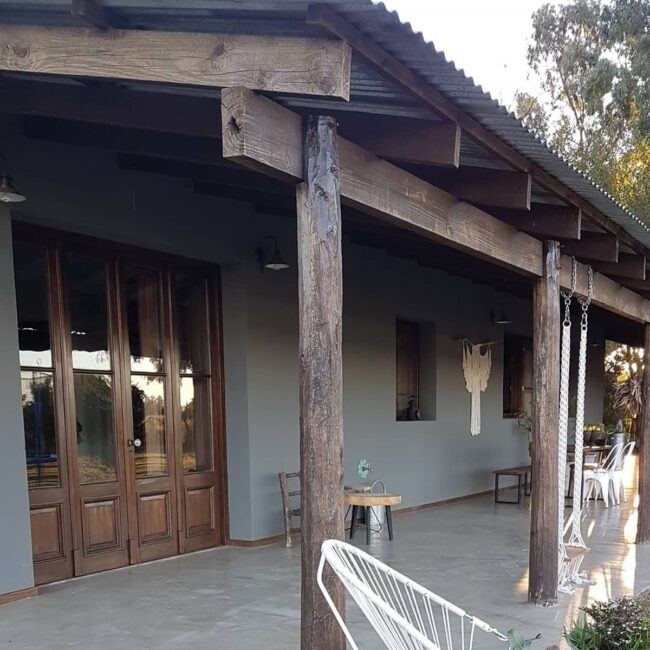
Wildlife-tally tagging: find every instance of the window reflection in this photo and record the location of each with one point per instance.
(196, 427)
(95, 431)
(37, 390)
(85, 282)
(192, 324)
(144, 318)
(32, 305)
(148, 403)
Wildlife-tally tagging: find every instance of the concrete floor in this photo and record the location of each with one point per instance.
(473, 553)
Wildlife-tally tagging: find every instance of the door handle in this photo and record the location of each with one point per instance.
(134, 442)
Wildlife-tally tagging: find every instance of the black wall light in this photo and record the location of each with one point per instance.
(270, 258)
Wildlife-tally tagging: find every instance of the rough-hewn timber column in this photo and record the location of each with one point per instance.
(321, 397)
(643, 528)
(543, 574)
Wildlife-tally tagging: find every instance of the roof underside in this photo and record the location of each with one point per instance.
(370, 92)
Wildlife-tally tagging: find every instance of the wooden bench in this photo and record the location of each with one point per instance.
(520, 472)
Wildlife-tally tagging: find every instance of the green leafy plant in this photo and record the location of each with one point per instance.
(582, 635)
(517, 641)
(621, 624)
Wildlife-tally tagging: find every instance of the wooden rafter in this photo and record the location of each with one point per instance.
(391, 67)
(305, 66)
(545, 220)
(629, 265)
(490, 187)
(111, 105)
(261, 134)
(593, 246)
(410, 140)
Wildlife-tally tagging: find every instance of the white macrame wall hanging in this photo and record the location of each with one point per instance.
(477, 364)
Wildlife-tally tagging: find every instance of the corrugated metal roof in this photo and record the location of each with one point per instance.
(369, 90)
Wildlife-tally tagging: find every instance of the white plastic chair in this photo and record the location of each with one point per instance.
(601, 478)
(618, 471)
(405, 615)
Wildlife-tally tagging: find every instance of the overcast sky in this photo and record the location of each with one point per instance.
(486, 38)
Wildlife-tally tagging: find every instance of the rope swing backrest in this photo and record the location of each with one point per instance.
(576, 514)
(565, 369)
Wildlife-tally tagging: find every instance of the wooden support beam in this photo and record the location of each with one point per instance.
(607, 293)
(543, 560)
(409, 140)
(320, 292)
(545, 221)
(306, 66)
(492, 187)
(111, 105)
(629, 265)
(642, 286)
(93, 13)
(392, 68)
(265, 136)
(643, 525)
(593, 246)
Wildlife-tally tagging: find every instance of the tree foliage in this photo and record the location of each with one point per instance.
(592, 58)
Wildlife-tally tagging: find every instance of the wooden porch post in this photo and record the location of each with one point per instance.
(643, 528)
(543, 561)
(321, 397)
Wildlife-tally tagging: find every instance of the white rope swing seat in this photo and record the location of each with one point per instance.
(571, 552)
(405, 615)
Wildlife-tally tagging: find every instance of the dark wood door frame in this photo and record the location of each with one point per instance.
(185, 489)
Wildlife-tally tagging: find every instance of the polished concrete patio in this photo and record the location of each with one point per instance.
(473, 553)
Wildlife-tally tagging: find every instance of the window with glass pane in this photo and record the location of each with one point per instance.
(196, 424)
(193, 337)
(142, 287)
(192, 324)
(37, 389)
(30, 268)
(85, 283)
(148, 404)
(95, 428)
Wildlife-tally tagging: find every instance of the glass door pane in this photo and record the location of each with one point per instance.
(85, 281)
(149, 429)
(191, 308)
(37, 369)
(37, 390)
(30, 268)
(95, 427)
(196, 424)
(142, 288)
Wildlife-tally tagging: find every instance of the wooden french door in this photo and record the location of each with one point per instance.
(121, 377)
(149, 414)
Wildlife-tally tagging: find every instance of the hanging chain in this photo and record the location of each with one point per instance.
(584, 303)
(568, 295)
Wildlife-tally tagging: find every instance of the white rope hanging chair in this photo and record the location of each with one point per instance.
(405, 615)
(571, 552)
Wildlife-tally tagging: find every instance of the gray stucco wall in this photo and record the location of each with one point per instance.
(424, 461)
(16, 554)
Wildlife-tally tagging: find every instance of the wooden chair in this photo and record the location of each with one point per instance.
(287, 496)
